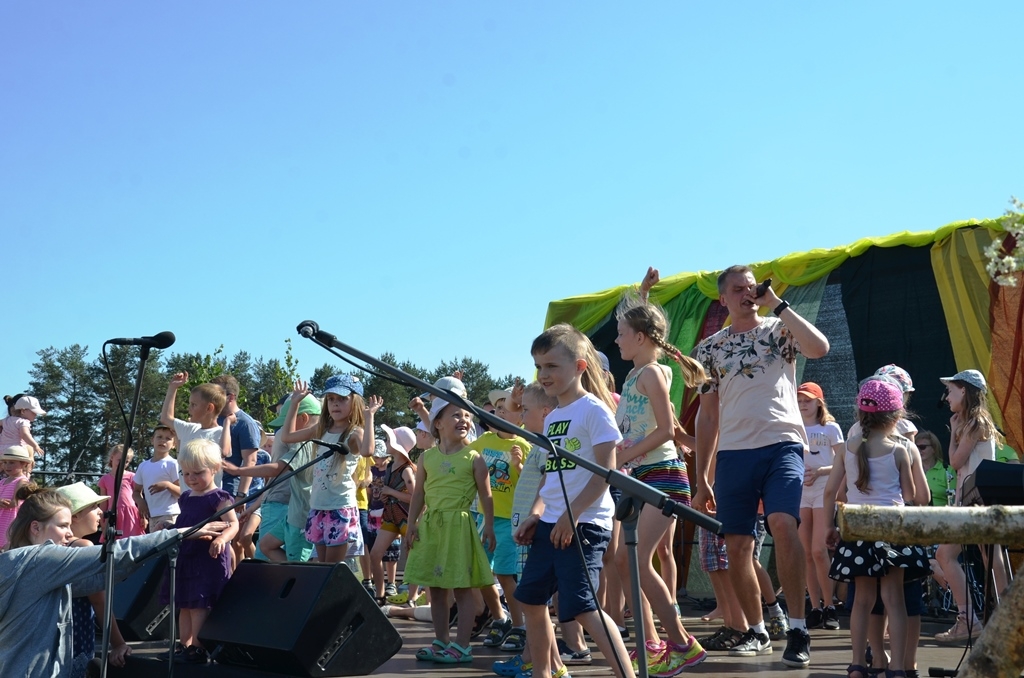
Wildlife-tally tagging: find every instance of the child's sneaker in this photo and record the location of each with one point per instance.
(752, 644)
(391, 590)
(676, 658)
(499, 629)
(511, 667)
(573, 657)
(654, 650)
(515, 641)
(368, 585)
(777, 626)
(830, 618)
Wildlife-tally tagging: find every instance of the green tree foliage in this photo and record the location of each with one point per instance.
(84, 419)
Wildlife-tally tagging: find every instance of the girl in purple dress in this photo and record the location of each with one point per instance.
(205, 567)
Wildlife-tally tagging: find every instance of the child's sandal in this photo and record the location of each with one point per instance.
(454, 654)
(429, 653)
(856, 668)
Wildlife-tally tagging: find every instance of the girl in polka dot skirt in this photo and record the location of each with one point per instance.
(876, 466)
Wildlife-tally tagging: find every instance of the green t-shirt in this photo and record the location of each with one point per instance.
(504, 476)
(939, 481)
(300, 483)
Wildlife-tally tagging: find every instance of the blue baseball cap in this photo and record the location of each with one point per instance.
(343, 385)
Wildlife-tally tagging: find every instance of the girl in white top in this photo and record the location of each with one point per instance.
(333, 524)
(824, 442)
(877, 469)
(646, 420)
(973, 437)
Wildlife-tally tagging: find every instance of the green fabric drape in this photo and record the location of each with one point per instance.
(685, 313)
(586, 311)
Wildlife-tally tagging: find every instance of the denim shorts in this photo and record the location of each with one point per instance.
(743, 478)
(549, 570)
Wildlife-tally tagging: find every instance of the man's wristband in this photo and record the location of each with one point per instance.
(781, 307)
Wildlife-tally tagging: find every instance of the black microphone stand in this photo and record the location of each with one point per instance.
(110, 532)
(634, 492)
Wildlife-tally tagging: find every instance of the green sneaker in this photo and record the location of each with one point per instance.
(676, 658)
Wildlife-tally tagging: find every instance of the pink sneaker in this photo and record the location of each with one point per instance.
(960, 631)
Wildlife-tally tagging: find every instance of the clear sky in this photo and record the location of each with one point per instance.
(424, 177)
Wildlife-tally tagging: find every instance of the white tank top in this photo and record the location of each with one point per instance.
(883, 483)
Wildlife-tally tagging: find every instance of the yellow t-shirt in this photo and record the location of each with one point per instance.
(504, 475)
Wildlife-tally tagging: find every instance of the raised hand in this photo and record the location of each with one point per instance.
(649, 281)
(300, 391)
(179, 379)
(373, 403)
(517, 392)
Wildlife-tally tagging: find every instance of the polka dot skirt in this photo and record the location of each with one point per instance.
(875, 558)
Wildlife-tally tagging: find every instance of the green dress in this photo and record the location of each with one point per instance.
(448, 554)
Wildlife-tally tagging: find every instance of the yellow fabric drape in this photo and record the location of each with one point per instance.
(588, 310)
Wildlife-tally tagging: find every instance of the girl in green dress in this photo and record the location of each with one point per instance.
(445, 551)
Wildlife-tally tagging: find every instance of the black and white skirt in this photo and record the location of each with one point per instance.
(875, 559)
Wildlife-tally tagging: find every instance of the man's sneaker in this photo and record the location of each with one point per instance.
(830, 619)
(798, 649)
(573, 657)
(752, 644)
(653, 655)
(676, 658)
(499, 629)
(959, 631)
(777, 627)
(723, 640)
(815, 619)
(510, 667)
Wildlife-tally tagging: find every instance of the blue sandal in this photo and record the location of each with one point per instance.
(429, 653)
(454, 654)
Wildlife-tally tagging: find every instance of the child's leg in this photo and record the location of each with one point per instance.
(273, 548)
(947, 555)
(439, 613)
(615, 651)
(466, 603)
(667, 559)
(651, 528)
(863, 601)
(335, 554)
(876, 638)
(321, 553)
(610, 592)
(508, 585)
(539, 638)
(380, 547)
(892, 597)
(572, 634)
(199, 616)
(490, 597)
(185, 627)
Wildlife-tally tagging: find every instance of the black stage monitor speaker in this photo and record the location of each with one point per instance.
(994, 483)
(137, 608)
(300, 620)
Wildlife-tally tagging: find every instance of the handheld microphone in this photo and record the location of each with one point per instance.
(337, 448)
(307, 328)
(159, 341)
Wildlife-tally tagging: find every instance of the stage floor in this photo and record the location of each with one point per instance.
(830, 654)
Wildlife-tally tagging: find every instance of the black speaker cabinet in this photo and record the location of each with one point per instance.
(300, 620)
(994, 482)
(137, 608)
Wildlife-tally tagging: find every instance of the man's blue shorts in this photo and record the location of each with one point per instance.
(549, 570)
(744, 478)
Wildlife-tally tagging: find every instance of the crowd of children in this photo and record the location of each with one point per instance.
(481, 514)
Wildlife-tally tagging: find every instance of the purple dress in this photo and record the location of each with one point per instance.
(201, 579)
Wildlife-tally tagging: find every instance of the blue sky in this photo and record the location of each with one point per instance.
(423, 178)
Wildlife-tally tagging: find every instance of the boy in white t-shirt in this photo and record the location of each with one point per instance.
(204, 404)
(155, 484)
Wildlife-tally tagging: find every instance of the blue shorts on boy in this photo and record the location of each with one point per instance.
(773, 474)
(549, 570)
(576, 427)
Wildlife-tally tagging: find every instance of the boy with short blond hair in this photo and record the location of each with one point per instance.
(204, 405)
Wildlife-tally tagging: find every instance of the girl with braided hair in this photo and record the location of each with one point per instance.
(647, 420)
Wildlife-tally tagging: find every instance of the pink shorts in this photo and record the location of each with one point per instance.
(336, 528)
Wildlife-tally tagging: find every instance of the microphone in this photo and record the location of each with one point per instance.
(160, 341)
(307, 328)
(337, 448)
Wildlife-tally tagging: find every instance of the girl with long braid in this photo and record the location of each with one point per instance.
(647, 421)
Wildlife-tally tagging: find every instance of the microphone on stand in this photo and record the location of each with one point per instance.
(307, 328)
(337, 448)
(158, 341)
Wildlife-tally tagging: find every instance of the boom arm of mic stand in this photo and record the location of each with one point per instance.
(627, 484)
